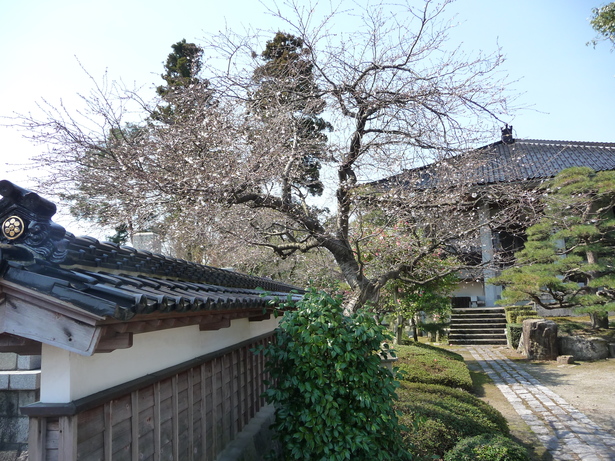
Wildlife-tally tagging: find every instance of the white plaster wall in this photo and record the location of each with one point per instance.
(66, 376)
(470, 289)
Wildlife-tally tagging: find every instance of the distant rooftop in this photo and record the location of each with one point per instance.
(508, 160)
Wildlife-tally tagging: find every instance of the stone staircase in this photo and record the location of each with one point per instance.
(477, 325)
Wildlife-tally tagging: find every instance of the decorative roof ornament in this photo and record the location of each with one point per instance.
(25, 219)
(507, 134)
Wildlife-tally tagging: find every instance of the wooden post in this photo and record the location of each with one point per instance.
(37, 439)
(134, 424)
(67, 445)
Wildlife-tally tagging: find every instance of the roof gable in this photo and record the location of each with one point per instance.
(101, 283)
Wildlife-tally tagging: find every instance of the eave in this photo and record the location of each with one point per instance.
(29, 318)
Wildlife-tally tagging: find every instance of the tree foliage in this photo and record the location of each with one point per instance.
(182, 69)
(569, 258)
(603, 22)
(242, 160)
(334, 399)
(434, 276)
(286, 88)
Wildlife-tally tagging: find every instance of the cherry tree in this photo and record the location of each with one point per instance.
(382, 79)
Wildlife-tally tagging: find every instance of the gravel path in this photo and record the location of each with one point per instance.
(567, 433)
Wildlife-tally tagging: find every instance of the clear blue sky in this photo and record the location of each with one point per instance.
(570, 86)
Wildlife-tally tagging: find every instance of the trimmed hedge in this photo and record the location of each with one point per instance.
(521, 318)
(487, 447)
(439, 417)
(420, 363)
(513, 334)
(514, 312)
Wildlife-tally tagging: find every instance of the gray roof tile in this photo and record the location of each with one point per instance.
(522, 160)
(115, 281)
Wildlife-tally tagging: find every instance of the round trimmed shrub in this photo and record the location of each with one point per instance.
(438, 417)
(487, 447)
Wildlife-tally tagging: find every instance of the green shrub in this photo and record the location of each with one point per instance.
(521, 318)
(420, 363)
(422, 348)
(514, 312)
(333, 398)
(487, 447)
(440, 416)
(513, 334)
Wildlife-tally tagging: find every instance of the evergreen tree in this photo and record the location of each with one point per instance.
(182, 79)
(182, 67)
(286, 95)
(569, 258)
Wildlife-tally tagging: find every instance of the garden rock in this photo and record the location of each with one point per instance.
(565, 359)
(584, 348)
(540, 339)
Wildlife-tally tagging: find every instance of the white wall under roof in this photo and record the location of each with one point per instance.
(66, 376)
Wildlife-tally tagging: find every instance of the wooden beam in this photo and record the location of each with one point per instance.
(37, 438)
(18, 345)
(113, 341)
(47, 302)
(258, 318)
(215, 325)
(30, 319)
(67, 446)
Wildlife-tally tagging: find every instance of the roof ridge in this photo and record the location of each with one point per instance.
(26, 227)
(562, 142)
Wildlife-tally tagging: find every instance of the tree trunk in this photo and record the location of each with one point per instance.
(399, 330)
(415, 332)
(363, 290)
(599, 319)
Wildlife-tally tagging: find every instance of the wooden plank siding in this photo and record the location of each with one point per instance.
(190, 414)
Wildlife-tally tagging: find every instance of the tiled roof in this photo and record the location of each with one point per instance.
(521, 160)
(112, 281)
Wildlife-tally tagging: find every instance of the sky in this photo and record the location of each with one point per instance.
(567, 87)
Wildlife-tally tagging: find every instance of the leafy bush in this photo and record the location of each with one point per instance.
(440, 416)
(487, 447)
(333, 398)
(521, 318)
(513, 334)
(513, 313)
(420, 363)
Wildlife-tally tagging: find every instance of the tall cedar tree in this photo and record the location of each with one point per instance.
(182, 70)
(285, 83)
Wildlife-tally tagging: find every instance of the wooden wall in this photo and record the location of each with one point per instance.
(191, 413)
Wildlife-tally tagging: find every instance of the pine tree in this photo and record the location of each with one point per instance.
(569, 258)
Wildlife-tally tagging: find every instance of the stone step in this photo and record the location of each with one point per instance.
(478, 314)
(473, 325)
(477, 321)
(473, 341)
(494, 330)
(477, 310)
(478, 325)
(477, 335)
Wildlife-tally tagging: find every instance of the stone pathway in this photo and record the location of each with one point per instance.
(566, 432)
